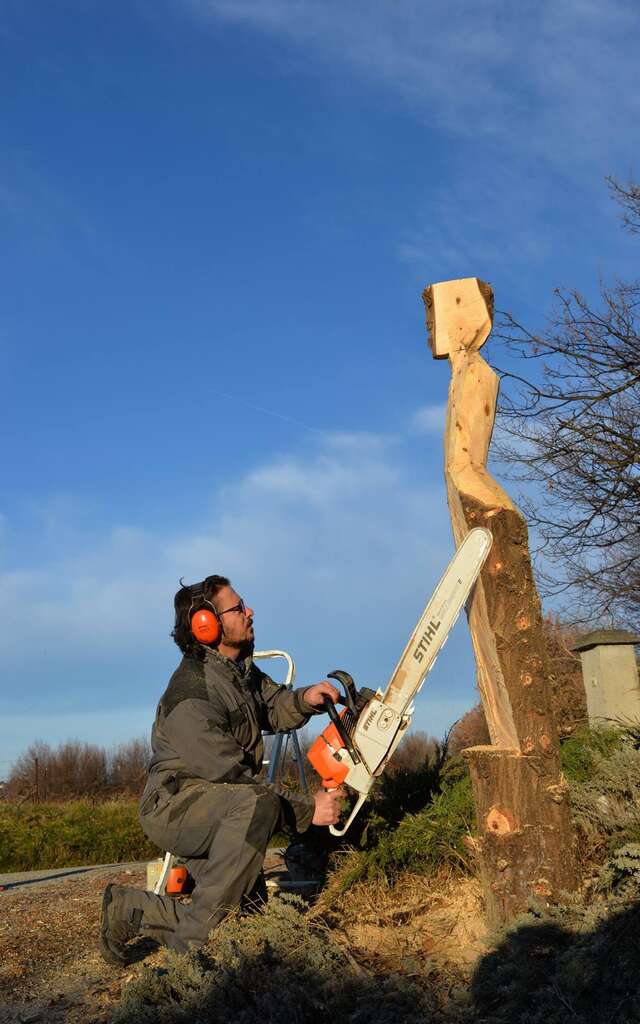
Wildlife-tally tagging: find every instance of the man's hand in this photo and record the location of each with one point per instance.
(315, 695)
(327, 810)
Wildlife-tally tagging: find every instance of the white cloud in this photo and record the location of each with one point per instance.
(334, 515)
(336, 550)
(553, 79)
(429, 419)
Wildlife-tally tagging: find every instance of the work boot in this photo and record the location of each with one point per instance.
(118, 924)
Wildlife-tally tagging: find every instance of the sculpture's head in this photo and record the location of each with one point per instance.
(459, 315)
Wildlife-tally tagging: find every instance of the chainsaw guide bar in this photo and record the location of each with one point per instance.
(373, 732)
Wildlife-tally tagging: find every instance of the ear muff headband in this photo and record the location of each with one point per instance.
(204, 620)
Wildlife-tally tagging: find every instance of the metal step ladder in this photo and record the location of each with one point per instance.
(280, 745)
(275, 762)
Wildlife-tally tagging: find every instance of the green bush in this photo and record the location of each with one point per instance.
(34, 836)
(620, 875)
(606, 804)
(426, 841)
(582, 753)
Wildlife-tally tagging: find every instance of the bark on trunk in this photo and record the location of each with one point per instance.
(526, 836)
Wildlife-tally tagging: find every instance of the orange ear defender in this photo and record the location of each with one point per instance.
(205, 626)
(205, 622)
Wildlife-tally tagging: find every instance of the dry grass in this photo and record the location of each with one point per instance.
(399, 924)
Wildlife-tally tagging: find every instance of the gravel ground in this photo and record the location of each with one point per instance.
(50, 967)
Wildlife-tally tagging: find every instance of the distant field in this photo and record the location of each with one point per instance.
(58, 835)
(65, 835)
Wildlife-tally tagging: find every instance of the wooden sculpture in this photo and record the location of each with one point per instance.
(526, 845)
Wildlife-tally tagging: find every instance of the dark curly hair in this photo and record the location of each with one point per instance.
(183, 602)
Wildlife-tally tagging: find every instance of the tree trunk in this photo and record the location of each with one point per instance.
(526, 837)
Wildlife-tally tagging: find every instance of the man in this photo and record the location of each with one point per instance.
(203, 800)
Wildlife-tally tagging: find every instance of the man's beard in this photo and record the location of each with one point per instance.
(247, 647)
(244, 648)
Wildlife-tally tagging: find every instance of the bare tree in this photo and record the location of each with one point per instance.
(469, 731)
(78, 770)
(628, 195)
(572, 428)
(73, 769)
(565, 670)
(417, 750)
(128, 765)
(30, 774)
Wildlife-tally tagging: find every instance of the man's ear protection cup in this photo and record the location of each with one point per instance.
(205, 626)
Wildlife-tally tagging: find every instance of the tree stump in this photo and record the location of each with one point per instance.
(526, 845)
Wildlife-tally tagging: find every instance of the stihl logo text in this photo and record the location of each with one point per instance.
(369, 719)
(425, 640)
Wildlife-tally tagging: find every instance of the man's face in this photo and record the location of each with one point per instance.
(237, 623)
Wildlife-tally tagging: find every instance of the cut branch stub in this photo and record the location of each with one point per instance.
(499, 822)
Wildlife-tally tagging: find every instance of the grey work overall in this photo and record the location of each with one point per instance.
(202, 800)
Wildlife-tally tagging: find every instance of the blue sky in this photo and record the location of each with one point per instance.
(216, 221)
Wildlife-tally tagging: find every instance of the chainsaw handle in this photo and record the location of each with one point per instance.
(341, 831)
(353, 698)
(350, 692)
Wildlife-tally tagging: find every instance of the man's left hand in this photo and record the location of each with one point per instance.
(316, 694)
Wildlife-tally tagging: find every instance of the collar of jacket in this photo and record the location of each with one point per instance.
(240, 671)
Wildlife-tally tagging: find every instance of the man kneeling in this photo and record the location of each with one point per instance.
(202, 800)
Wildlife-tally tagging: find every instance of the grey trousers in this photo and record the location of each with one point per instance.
(221, 832)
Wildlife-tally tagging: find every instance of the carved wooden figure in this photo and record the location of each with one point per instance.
(526, 843)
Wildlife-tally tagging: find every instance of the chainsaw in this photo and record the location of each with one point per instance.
(357, 744)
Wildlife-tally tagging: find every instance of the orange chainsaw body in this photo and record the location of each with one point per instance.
(325, 758)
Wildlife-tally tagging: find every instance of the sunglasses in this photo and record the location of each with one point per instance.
(239, 607)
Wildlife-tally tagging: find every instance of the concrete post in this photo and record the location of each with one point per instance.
(610, 674)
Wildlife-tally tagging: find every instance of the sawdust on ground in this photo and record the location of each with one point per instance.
(420, 925)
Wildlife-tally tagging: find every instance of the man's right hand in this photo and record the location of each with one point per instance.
(327, 810)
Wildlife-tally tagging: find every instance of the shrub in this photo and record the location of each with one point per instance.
(605, 796)
(34, 836)
(583, 752)
(621, 872)
(565, 675)
(428, 840)
(414, 752)
(274, 966)
(579, 961)
(469, 731)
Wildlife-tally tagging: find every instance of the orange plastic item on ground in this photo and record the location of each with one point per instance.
(176, 881)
